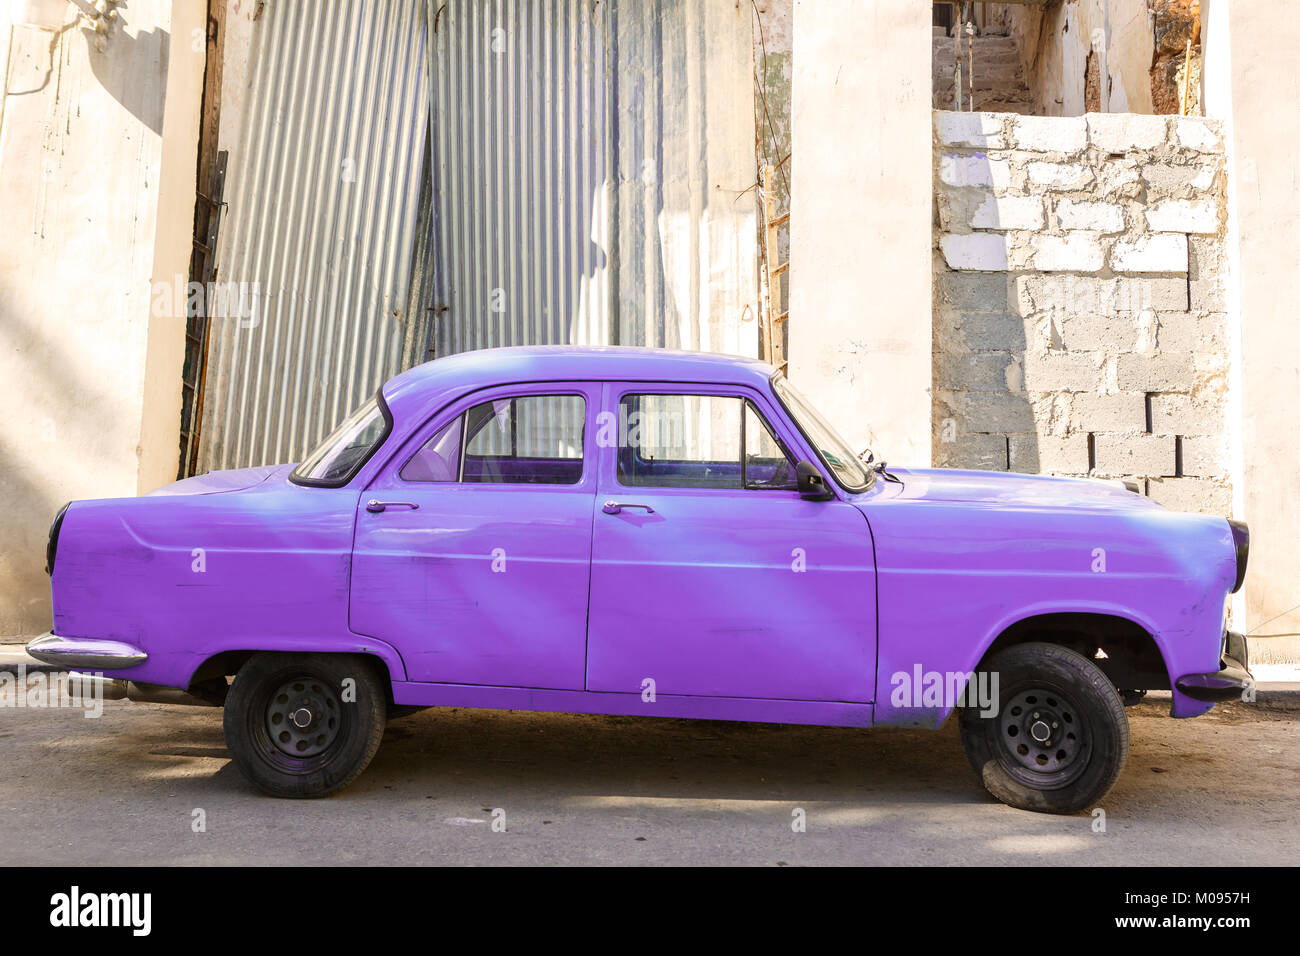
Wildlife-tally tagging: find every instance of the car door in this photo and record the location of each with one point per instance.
(473, 545)
(711, 575)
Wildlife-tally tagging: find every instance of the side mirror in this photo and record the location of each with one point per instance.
(811, 483)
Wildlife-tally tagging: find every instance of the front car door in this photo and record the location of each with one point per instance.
(473, 545)
(710, 575)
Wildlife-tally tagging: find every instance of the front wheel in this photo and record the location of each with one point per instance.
(304, 725)
(1059, 738)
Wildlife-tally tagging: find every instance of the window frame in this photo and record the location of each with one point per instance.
(459, 410)
(361, 462)
(621, 391)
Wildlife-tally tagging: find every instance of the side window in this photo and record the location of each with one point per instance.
(439, 459)
(766, 464)
(698, 441)
(533, 439)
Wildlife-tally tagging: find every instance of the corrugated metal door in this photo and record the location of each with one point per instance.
(323, 198)
(593, 166)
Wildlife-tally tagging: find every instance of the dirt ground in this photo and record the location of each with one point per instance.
(133, 786)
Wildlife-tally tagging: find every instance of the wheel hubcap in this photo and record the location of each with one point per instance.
(1043, 737)
(302, 717)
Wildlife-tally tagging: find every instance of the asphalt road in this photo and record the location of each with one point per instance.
(125, 788)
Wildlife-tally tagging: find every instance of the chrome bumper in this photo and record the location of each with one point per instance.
(85, 653)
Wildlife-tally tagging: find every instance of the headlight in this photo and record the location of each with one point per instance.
(1241, 541)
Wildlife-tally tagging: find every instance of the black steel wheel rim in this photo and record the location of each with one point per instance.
(1043, 738)
(301, 719)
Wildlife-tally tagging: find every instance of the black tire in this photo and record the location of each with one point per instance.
(1059, 738)
(291, 729)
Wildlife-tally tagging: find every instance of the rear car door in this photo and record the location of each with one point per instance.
(473, 545)
(710, 575)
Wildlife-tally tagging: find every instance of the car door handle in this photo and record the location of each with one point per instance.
(378, 506)
(613, 507)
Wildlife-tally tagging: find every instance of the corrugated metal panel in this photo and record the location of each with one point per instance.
(593, 167)
(324, 196)
(523, 127)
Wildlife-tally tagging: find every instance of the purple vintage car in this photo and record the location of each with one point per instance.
(626, 531)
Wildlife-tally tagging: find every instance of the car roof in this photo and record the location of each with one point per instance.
(466, 371)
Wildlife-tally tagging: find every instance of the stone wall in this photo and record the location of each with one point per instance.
(1079, 316)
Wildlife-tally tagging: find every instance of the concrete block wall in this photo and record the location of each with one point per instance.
(1079, 314)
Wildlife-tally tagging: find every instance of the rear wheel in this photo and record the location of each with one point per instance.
(304, 725)
(1059, 738)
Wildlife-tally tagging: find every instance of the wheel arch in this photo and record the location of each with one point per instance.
(1131, 653)
(221, 664)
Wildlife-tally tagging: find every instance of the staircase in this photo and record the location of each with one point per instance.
(999, 80)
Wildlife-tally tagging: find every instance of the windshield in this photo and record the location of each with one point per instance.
(830, 446)
(338, 457)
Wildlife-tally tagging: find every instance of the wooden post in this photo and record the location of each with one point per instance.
(773, 347)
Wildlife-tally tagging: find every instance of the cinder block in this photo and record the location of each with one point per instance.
(1192, 494)
(973, 292)
(1034, 454)
(1113, 412)
(969, 129)
(991, 331)
(1183, 215)
(1118, 177)
(1190, 331)
(1165, 372)
(997, 412)
(1206, 295)
(1008, 212)
(1197, 132)
(1125, 132)
(1205, 456)
(1050, 134)
(1206, 266)
(1162, 253)
(1074, 252)
(1166, 294)
(1175, 413)
(1061, 371)
(977, 252)
(1116, 330)
(1059, 175)
(1037, 294)
(976, 170)
(972, 450)
(972, 371)
(1163, 178)
(1205, 257)
(1134, 455)
(1102, 217)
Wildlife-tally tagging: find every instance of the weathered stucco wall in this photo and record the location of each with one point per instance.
(859, 232)
(1250, 64)
(1057, 41)
(1080, 323)
(97, 165)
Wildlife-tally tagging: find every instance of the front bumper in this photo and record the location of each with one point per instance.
(85, 654)
(1229, 682)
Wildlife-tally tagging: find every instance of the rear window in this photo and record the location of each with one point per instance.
(527, 439)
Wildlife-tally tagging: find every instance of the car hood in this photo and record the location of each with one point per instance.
(1006, 490)
(236, 479)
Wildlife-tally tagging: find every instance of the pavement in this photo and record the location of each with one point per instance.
(151, 783)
